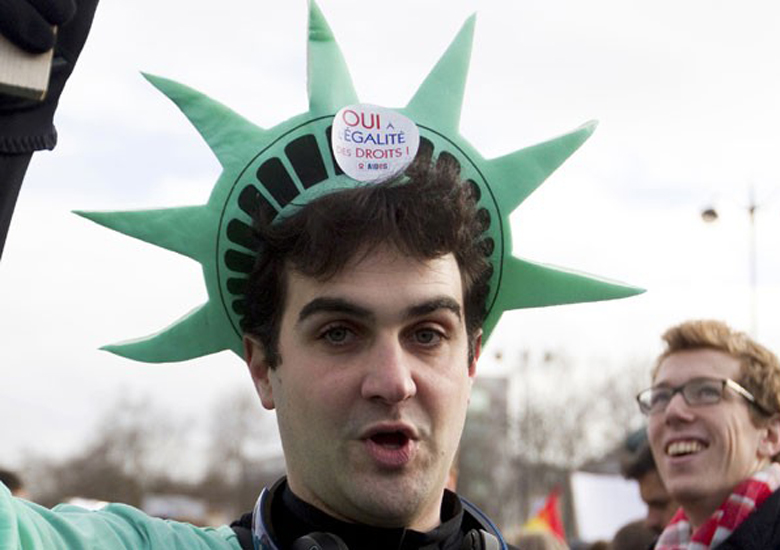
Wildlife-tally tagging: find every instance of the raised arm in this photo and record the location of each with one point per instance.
(26, 125)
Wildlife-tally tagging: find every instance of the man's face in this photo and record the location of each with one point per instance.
(660, 505)
(372, 389)
(703, 452)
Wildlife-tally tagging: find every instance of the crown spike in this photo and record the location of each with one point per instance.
(329, 83)
(229, 135)
(538, 285)
(438, 101)
(544, 285)
(515, 176)
(201, 332)
(176, 229)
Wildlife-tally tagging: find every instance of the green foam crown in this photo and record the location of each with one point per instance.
(290, 164)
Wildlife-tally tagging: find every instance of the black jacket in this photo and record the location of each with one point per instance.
(289, 518)
(760, 530)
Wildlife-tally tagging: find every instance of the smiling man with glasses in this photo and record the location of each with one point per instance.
(714, 431)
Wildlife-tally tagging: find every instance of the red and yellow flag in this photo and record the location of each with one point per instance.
(548, 518)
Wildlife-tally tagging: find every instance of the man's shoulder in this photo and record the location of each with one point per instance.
(474, 518)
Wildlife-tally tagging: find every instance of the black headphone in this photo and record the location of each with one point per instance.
(319, 541)
(476, 539)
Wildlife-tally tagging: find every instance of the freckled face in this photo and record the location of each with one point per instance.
(372, 390)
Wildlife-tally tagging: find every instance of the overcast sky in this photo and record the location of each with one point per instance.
(688, 99)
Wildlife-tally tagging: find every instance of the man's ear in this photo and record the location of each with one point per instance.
(769, 446)
(477, 350)
(254, 355)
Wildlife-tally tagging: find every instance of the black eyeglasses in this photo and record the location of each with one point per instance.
(696, 392)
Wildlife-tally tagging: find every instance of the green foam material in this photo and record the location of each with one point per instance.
(259, 166)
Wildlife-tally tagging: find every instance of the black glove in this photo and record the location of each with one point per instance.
(26, 125)
(28, 23)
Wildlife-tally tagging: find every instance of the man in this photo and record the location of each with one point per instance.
(359, 294)
(633, 536)
(640, 465)
(714, 429)
(367, 349)
(366, 344)
(14, 483)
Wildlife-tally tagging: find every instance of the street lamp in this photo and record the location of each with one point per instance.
(710, 215)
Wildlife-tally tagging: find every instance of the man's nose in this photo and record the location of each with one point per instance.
(388, 376)
(677, 409)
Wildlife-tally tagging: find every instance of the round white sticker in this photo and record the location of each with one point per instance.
(373, 144)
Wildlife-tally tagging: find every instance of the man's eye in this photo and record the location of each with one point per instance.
(707, 391)
(336, 335)
(659, 396)
(427, 336)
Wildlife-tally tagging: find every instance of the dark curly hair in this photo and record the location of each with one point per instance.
(426, 213)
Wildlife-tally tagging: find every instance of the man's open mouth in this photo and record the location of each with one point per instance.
(393, 440)
(685, 447)
(391, 446)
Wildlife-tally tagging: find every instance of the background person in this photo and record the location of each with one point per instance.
(639, 464)
(633, 536)
(714, 430)
(14, 483)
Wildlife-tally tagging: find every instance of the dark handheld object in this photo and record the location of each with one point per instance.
(27, 125)
(30, 23)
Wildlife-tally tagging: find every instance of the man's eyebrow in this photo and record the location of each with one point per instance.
(435, 304)
(333, 305)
